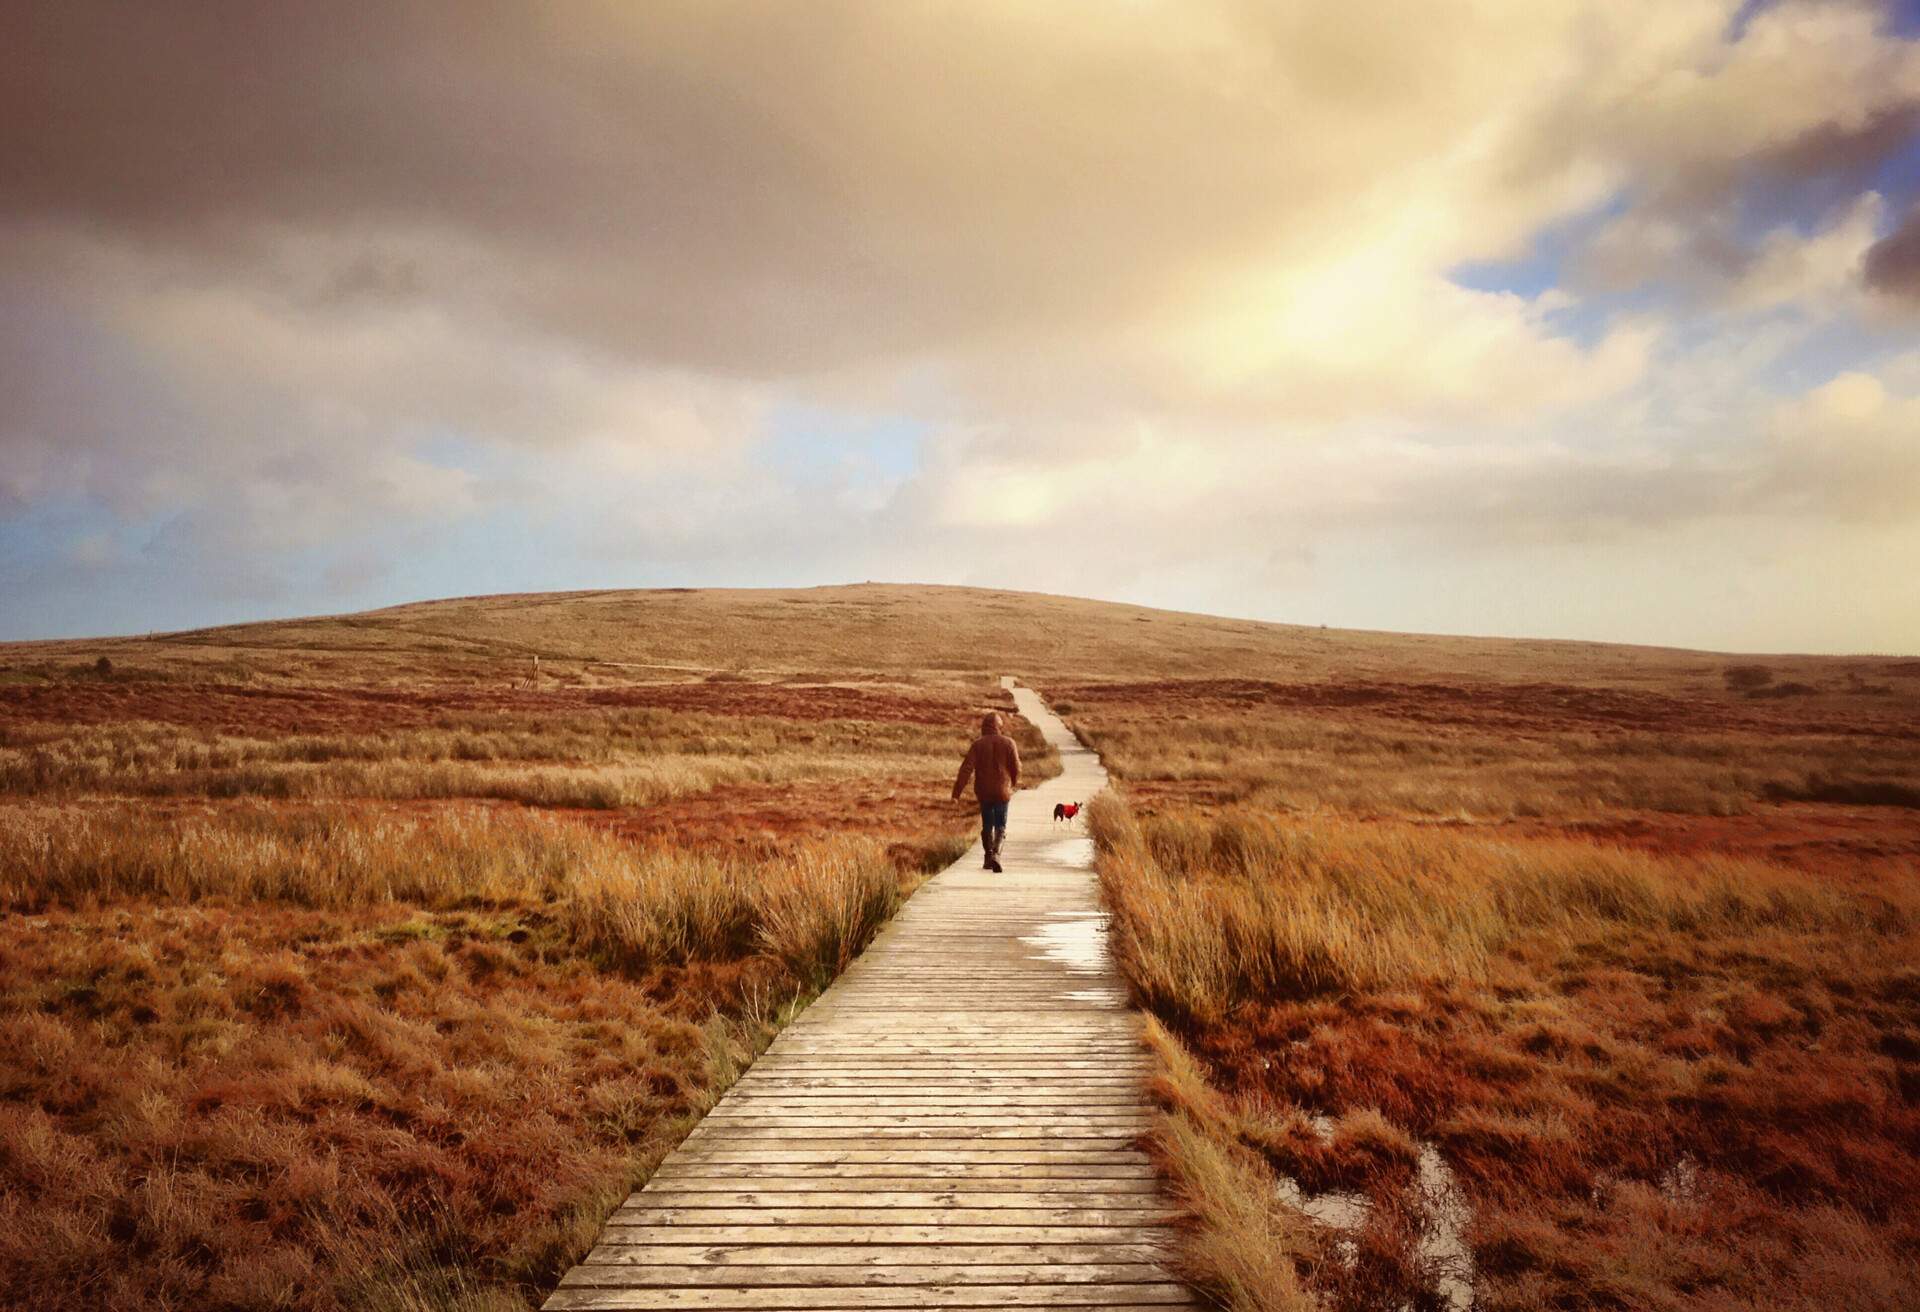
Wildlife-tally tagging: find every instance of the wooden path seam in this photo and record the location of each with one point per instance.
(952, 1124)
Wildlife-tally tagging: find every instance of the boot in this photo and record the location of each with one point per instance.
(987, 849)
(993, 851)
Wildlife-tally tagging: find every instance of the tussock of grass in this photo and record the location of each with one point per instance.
(276, 1106)
(1240, 1243)
(1213, 913)
(50, 771)
(330, 1060)
(318, 857)
(1272, 757)
(809, 909)
(1563, 1023)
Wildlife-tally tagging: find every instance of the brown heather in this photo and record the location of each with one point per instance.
(1566, 1022)
(367, 961)
(374, 978)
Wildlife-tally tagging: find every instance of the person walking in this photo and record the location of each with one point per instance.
(993, 763)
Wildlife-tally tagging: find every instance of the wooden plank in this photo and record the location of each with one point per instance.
(927, 1138)
(1033, 1054)
(781, 1075)
(939, 1100)
(829, 1198)
(873, 1233)
(745, 1118)
(887, 1112)
(1164, 1294)
(982, 1156)
(1134, 1168)
(1110, 1138)
(959, 1079)
(994, 1064)
(735, 1257)
(648, 1214)
(1142, 1182)
(629, 1275)
(982, 1091)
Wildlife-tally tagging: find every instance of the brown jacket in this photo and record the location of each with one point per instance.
(993, 762)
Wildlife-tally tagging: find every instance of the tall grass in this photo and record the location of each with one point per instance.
(1282, 760)
(1211, 913)
(1241, 1244)
(810, 909)
(625, 759)
(43, 771)
(1565, 1025)
(502, 1020)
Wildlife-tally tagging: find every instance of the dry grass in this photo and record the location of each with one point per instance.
(314, 1060)
(623, 760)
(875, 635)
(257, 1107)
(1632, 951)
(1417, 753)
(367, 961)
(1242, 1245)
(1571, 1025)
(637, 907)
(1216, 913)
(316, 994)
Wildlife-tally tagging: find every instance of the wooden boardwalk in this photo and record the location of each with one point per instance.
(950, 1126)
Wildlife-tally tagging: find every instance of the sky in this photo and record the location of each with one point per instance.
(1587, 320)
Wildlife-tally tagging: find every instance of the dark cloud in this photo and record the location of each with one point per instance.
(279, 278)
(777, 188)
(1893, 263)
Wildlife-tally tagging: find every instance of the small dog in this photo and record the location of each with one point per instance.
(1066, 810)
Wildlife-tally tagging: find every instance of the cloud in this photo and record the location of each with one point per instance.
(1847, 449)
(290, 298)
(1893, 264)
(673, 184)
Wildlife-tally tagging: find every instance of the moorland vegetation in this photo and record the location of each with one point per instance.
(367, 961)
(1538, 996)
(376, 979)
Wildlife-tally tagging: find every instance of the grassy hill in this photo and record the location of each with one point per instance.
(891, 629)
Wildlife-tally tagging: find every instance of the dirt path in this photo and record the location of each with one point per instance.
(951, 1125)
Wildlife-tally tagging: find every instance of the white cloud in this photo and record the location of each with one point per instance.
(1179, 275)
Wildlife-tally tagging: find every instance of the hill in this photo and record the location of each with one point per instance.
(895, 629)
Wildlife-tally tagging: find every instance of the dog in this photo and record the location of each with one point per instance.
(1066, 810)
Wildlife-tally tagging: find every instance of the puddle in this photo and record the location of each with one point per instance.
(1443, 1229)
(1076, 940)
(1681, 1183)
(1442, 1247)
(1342, 1211)
(1075, 852)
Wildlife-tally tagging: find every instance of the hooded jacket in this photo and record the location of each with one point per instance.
(993, 763)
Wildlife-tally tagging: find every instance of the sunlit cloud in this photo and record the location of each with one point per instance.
(367, 303)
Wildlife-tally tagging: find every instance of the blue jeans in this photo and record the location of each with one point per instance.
(993, 815)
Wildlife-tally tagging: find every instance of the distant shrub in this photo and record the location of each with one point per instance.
(1787, 689)
(1861, 688)
(1846, 792)
(1746, 678)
